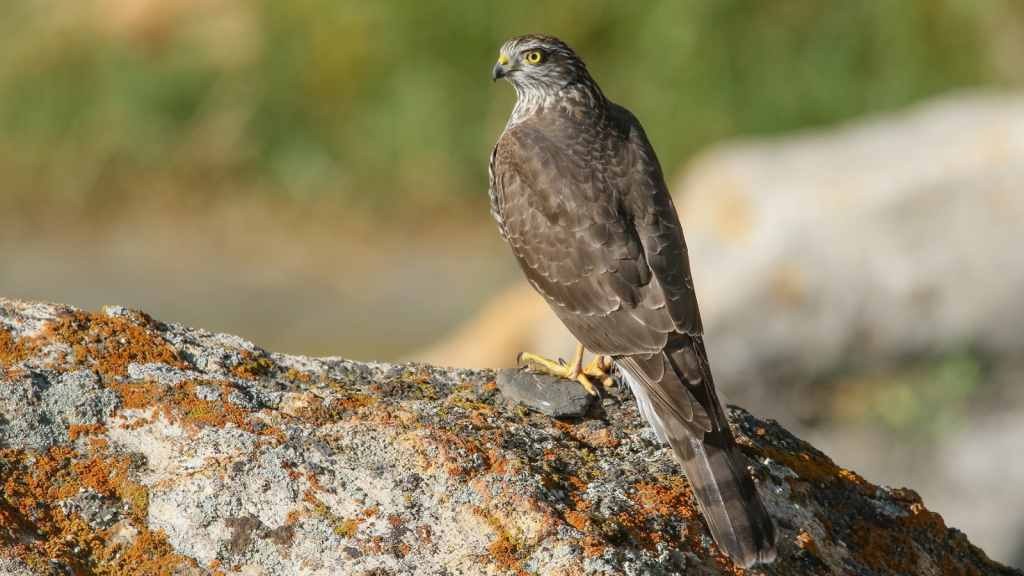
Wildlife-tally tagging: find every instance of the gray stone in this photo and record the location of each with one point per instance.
(161, 373)
(97, 511)
(548, 395)
(14, 566)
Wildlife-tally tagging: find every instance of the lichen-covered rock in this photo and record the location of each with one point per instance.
(128, 446)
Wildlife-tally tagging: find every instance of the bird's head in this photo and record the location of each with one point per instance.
(538, 65)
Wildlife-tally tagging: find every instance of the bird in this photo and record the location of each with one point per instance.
(579, 195)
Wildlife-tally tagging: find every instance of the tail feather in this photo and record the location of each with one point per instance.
(715, 468)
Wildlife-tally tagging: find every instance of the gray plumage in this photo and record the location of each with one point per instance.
(579, 195)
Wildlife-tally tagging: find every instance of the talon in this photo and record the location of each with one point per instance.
(571, 371)
(599, 368)
(586, 384)
(617, 377)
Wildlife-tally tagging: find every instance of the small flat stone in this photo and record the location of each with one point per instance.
(548, 395)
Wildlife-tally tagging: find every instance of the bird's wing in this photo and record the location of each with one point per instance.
(649, 204)
(560, 208)
(617, 276)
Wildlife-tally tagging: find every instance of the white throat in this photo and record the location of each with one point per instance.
(529, 100)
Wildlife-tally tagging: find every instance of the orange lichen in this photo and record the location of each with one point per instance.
(870, 489)
(577, 520)
(577, 482)
(35, 529)
(423, 533)
(111, 343)
(594, 546)
(347, 529)
(421, 378)
(139, 395)
(880, 549)
(805, 542)
(671, 500)
(252, 365)
(307, 406)
(472, 406)
(922, 519)
(311, 478)
(180, 404)
(294, 374)
(98, 444)
(811, 468)
(195, 411)
(653, 500)
(503, 552)
(604, 438)
(77, 430)
(10, 350)
(350, 402)
(293, 474)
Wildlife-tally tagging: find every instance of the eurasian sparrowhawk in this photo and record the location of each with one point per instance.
(580, 196)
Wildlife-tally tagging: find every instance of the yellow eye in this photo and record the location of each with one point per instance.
(533, 57)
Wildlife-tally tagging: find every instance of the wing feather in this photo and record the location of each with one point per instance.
(578, 216)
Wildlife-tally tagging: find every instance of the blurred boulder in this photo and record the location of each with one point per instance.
(887, 238)
(879, 240)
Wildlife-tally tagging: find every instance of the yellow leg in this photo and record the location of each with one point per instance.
(575, 370)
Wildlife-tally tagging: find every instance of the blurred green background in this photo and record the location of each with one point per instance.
(311, 175)
(388, 107)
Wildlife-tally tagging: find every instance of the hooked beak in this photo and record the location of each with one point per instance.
(501, 69)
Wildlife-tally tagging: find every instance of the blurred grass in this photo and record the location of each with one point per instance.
(923, 399)
(388, 105)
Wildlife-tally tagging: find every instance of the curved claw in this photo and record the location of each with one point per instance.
(617, 378)
(599, 368)
(582, 379)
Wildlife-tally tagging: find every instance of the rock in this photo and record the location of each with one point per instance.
(331, 466)
(548, 395)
